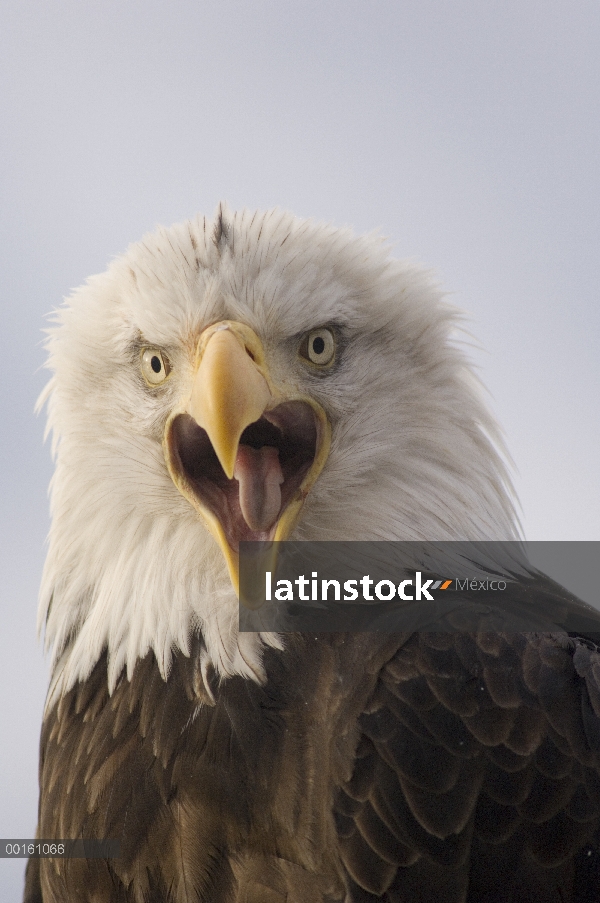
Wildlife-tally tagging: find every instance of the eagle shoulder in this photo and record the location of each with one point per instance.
(478, 772)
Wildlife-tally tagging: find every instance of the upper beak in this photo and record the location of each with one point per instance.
(230, 390)
(243, 451)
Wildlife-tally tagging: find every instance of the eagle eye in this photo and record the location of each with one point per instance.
(155, 366)
(318, 347)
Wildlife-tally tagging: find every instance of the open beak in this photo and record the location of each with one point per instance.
(242, 452)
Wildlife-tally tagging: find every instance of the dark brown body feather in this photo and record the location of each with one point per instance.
(444, 767)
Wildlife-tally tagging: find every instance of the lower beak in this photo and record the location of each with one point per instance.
(242, 451)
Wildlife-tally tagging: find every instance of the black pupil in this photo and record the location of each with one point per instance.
(156, 365)
(318, 345)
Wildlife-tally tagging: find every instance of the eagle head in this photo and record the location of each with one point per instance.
(254, 376)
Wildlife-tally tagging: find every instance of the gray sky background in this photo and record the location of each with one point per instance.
(467, 132)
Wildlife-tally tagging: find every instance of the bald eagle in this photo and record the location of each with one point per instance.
(262, 377)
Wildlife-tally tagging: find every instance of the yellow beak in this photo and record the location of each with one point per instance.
(231, 390)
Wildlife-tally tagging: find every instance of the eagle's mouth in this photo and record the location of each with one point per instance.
(244, 451)
(274, 457)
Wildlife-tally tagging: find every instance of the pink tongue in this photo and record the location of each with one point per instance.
(258, 472)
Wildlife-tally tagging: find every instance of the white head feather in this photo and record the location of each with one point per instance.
(131, 567)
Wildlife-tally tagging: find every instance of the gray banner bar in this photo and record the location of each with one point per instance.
(407, 586)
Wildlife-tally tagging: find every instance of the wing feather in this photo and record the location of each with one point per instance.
(479, 761)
